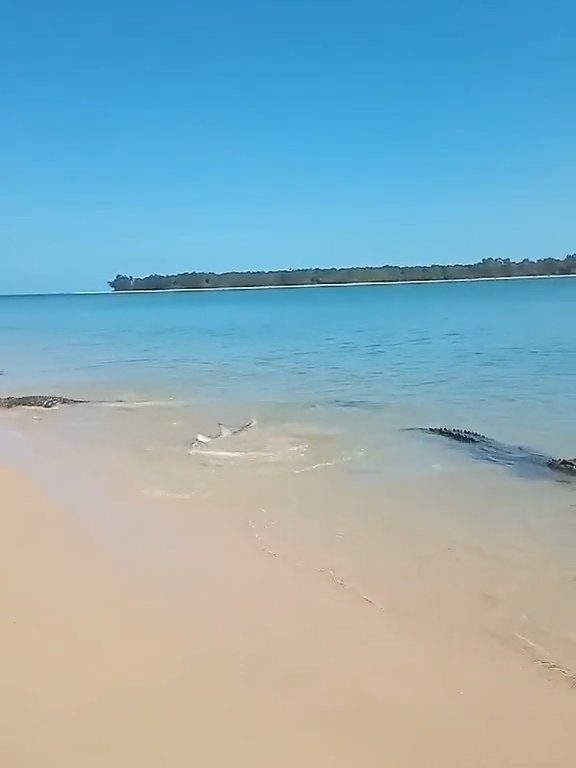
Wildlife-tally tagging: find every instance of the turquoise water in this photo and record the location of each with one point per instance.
(328, 479)
(494, 356)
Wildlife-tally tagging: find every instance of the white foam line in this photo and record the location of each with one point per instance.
(233, 454)
(158, 493)
(223, 454)
(531, 643)
(133, 404)
(319, 466)
(544, 659)
(330, 572)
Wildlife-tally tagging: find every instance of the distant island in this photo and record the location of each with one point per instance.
(487, 268)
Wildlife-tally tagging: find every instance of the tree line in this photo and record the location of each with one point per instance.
(483, 269)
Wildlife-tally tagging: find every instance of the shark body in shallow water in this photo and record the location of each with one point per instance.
(223, 431)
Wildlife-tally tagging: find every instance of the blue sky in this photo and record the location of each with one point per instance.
(144, 137)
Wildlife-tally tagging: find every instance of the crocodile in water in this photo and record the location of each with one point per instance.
(523, 460)
(38, 401)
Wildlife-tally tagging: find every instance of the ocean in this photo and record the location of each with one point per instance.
(450, 349)
(331, 478)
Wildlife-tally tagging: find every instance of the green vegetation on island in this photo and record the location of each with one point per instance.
(487, 268)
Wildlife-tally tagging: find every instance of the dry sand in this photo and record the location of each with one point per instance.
(183, 643)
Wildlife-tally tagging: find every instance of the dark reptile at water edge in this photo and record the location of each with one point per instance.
(522, 460)
(41, 401)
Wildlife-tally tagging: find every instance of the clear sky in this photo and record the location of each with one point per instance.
(141, 136)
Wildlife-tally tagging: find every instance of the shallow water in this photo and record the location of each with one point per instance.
(459, 349)
(328, 480)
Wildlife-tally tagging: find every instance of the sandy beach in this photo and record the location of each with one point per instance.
(184, 639)
(249, 527)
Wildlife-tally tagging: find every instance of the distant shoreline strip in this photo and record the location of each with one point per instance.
(299, 285)
(331, 285)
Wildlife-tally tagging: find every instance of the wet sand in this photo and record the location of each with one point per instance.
(175, 633)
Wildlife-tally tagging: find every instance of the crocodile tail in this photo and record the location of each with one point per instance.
(461, 435)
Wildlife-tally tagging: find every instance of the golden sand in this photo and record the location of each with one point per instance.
(184, 642)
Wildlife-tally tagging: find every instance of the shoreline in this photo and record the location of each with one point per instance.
(303, 285)
(166, 623)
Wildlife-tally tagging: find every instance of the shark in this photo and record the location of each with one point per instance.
(223, 431)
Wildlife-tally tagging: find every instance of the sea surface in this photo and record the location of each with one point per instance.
(331, 478)
(498, 346)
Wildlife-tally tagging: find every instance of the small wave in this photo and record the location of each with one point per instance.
(320, 464)
(133, 404)
(331, 463)
(159, 493)
(258, 533)
(268, 456)
(221, 454)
